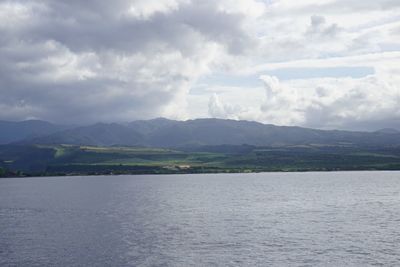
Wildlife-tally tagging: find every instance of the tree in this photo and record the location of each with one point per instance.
(2, 172)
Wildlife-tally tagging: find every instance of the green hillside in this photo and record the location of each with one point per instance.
(37, 160)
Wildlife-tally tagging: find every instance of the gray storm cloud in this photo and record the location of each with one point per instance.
(84, 61)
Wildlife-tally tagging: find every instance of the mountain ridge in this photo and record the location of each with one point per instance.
(161, 132)
(14, 131)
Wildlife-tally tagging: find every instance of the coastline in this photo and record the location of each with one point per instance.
(220, 171)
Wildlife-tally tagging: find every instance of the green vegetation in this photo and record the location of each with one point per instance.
(39, 160)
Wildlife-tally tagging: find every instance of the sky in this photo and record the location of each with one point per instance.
(328, 64)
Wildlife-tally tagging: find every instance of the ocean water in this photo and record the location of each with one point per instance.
(265, 219)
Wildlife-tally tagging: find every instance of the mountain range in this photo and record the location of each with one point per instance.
(191, 133)
(11, 131)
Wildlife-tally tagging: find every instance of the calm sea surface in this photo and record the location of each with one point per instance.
(269, 219)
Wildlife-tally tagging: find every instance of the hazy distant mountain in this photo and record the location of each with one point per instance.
(388, 131)
(232, 132)
(209, 132)
(100, 134)
(16, 131)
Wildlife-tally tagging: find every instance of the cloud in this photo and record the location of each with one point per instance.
(331, 103)
(334, 6)
(218, 109)
(367, 103)
(319, 28)
(351, 49)
(85, 61)
(282, 104)
(359, 104)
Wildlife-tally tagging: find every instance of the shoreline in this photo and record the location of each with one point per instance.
(194, 173)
